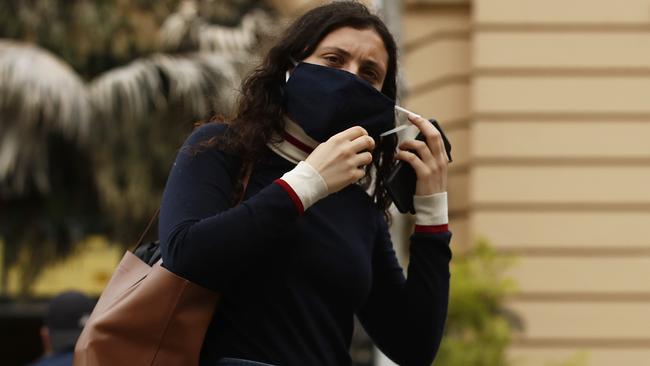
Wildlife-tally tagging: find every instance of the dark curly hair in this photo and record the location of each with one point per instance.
(259, 113)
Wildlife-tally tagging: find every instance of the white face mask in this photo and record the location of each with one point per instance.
(402, 127)
(287, 73)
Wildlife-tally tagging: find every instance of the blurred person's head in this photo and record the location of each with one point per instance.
(344, 35)
(65, 318)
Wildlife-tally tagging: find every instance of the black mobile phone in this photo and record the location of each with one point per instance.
(400, 182)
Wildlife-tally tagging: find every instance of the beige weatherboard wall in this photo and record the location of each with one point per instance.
(548, 107)
(436, 45)
(561, 170)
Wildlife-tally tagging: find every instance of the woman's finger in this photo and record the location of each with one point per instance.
(431, 135)
(350, 134)
(423, 125)
(421, 170)
(421, 148)
(359, 173)
(439, 145)
(362, 143)
(362, 159)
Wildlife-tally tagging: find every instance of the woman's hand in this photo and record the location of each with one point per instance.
(428, 158)
(341, 159)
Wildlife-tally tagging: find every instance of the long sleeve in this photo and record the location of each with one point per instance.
(406, 317)
(203, 238)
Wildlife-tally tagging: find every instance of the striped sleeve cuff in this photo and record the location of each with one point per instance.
(304, 185)
(292, 194)
(431, 213)
(431, 229)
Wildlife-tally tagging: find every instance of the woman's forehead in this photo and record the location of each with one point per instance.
(365, 43)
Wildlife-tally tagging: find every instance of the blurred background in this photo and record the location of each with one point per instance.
(546, 103)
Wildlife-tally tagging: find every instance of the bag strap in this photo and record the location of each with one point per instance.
(247, 175)
(146, 230)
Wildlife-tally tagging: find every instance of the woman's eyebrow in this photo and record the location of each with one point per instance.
(346, 54)
(336, 49)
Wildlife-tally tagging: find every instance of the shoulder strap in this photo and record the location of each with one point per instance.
(146, 230)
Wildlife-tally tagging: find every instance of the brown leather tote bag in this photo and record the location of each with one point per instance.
(147, 315)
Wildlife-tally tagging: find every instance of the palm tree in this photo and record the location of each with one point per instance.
(31, 81)
(45, 113)
(144, 110)
(92, 156)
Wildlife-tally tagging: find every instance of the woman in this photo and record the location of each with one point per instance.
(308, 248)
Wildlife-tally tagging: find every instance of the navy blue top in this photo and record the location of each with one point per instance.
(292, 283)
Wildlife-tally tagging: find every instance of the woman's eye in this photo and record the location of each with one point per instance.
(335, 60)
(371, 76)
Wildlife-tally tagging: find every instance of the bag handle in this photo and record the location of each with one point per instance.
(146, 230)
(247, 175)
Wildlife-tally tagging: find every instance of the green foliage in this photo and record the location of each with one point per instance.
(96, 35)
(143, 105)
(91, 35)
(478, 330)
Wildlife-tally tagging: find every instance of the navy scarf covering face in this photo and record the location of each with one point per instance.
(325, 101)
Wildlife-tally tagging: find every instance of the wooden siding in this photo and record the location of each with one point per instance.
(593, 356)
(586, 51)
(561, 12)
(559, 170)
(436, 62)
(616, 141)
(570, 230)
